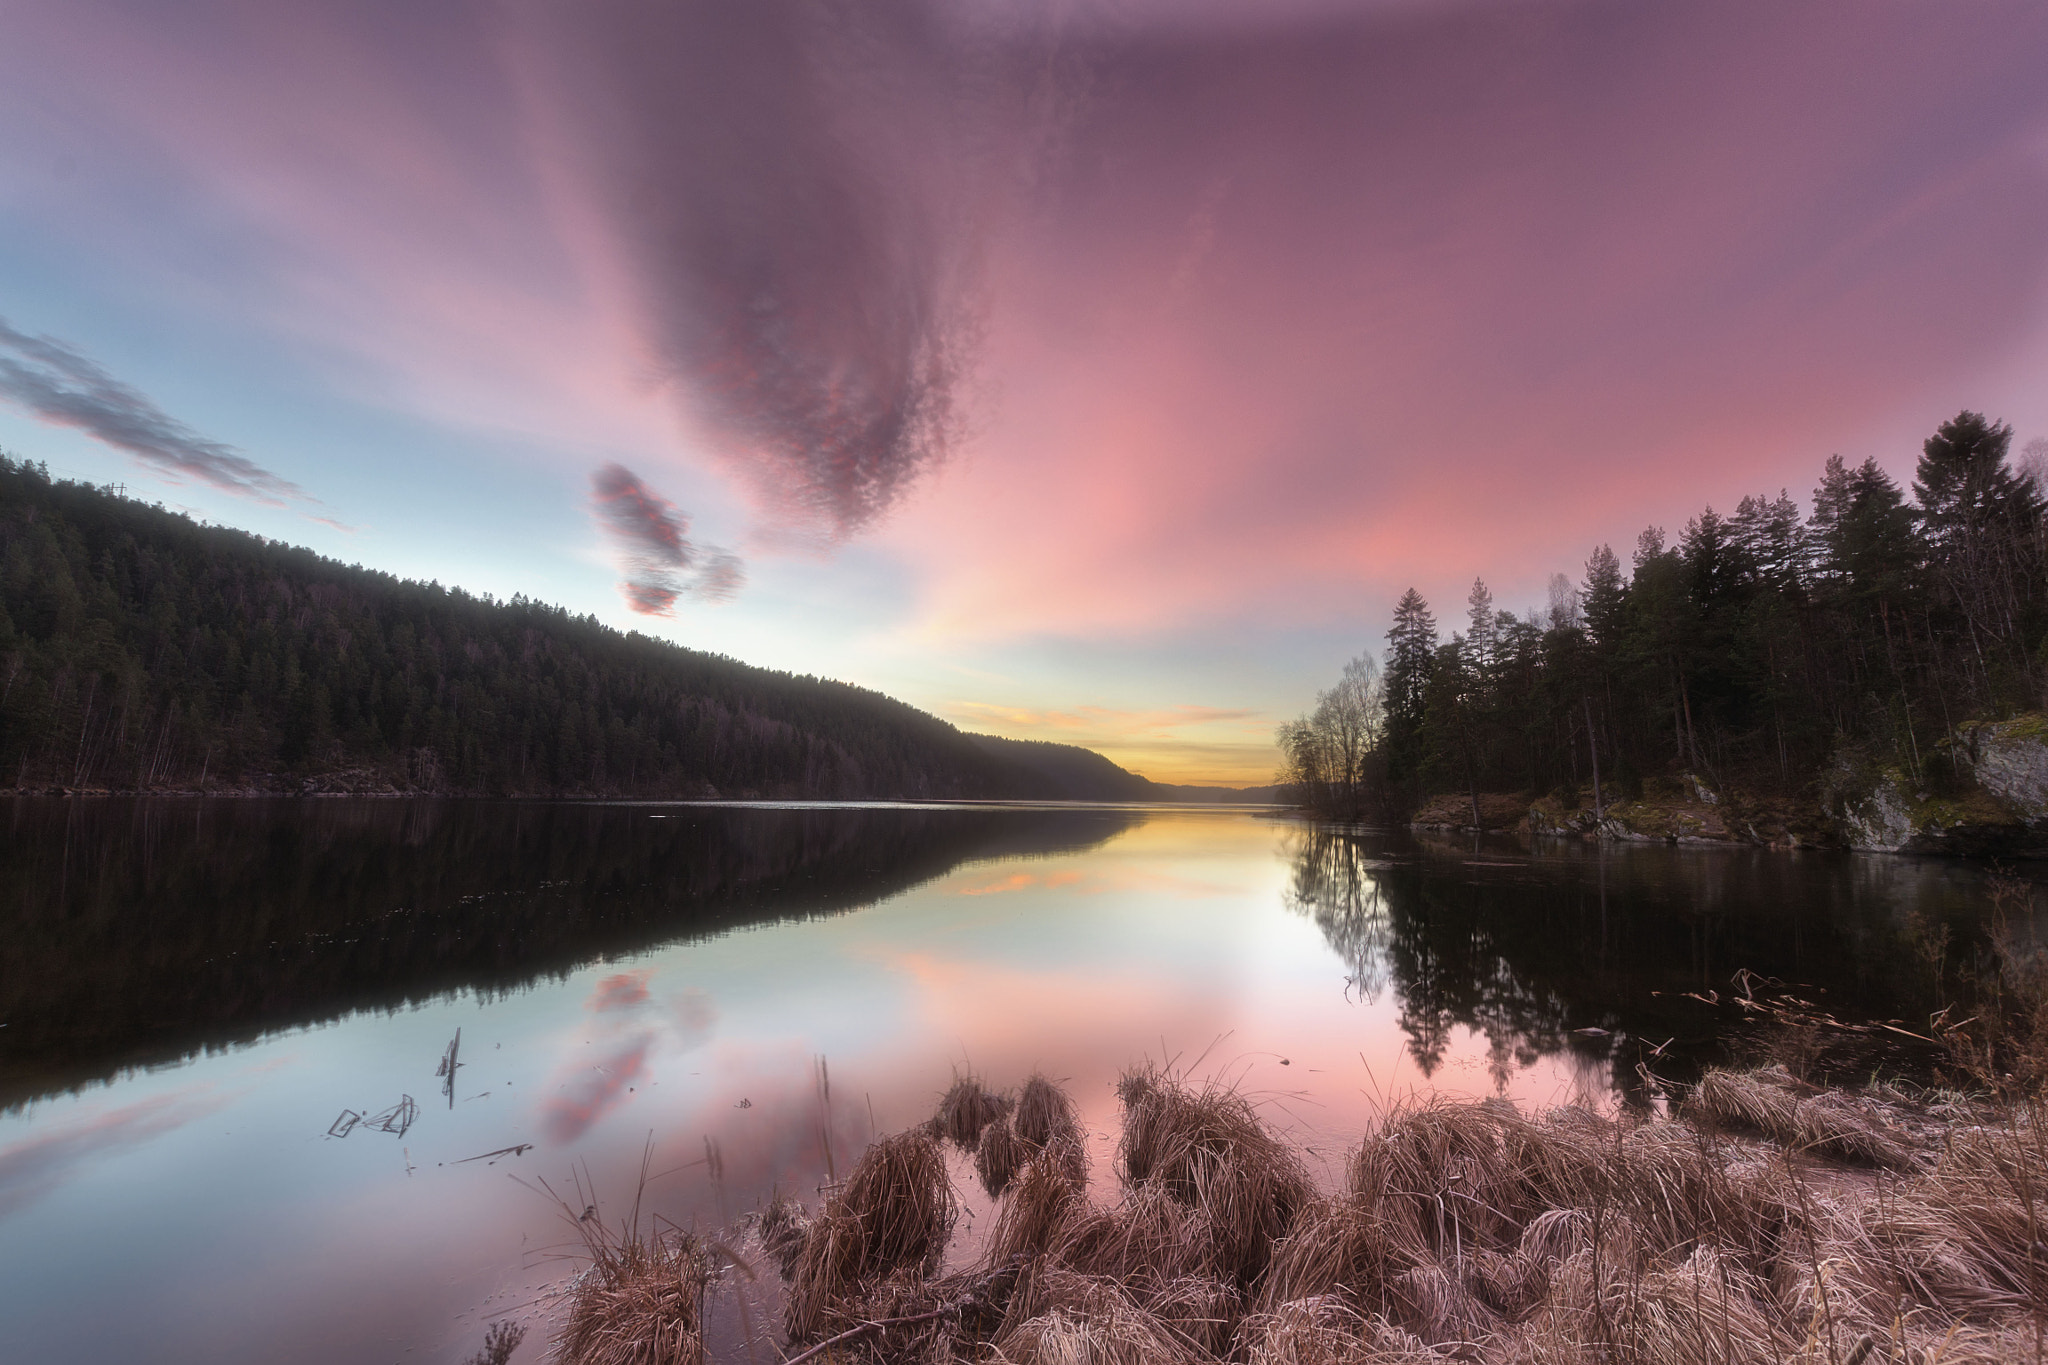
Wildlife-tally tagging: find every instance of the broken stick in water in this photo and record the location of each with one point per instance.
(448, 1068)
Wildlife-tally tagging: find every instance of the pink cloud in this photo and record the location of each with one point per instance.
(36, 1165)
(596, 1090)
(1285, 306)
(622, 990)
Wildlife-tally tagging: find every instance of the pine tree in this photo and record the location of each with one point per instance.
(1411, 653)
(1982, 521)
(1603, 597)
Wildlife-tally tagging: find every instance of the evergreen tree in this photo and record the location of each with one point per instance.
(1982, 520)
(1604, 595)
(1411, 652)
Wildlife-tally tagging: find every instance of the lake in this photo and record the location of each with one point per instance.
(223, 1137)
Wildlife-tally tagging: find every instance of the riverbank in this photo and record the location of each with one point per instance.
(1991, 801)
(1762, 1219)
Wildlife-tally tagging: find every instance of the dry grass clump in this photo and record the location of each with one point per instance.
(966, 1110)
(1148, 1232)
(1441, 1174)
(1835, 1125)
(1325, 1330)
(1829, 1123)
(781, 1228)
(1065, 1318)
(1208, 1149)
(1969, 1236)
(998, 1157)
(1701, 1311)
(1201, 1311)
(1755, 1101)
(1045, 1114)
(1773, 1225)
(640, 1301)
(1043, 1120)
(1337, 1247)
(895, 1212)
(1043, 1200)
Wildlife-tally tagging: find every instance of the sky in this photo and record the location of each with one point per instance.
(1089, 370)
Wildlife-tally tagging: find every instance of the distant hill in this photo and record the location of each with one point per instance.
(1083, 775)
(141, 651)
(1070, 772)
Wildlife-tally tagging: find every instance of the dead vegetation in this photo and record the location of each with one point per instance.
(1765, 1223)
(1765, 1219)
(966, 1110)
(640, 1301)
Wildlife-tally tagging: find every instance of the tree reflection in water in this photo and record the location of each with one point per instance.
(1594, 952)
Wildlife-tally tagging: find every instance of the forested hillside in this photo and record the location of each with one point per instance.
(140, 650)
(1767, 650)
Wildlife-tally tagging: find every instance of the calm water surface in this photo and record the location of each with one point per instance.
(192, 992)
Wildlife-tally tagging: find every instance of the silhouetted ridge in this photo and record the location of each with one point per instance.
(141, 651)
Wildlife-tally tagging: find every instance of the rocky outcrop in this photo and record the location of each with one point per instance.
(2009, 760)
(1454, 812)
(1994, 803)
(1687, 810)
(1879, 808)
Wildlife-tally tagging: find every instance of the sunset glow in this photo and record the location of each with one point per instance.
(1094, 373)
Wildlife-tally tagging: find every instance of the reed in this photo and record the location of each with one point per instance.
(1771, 1223)
(966, 1109)
(894, 1213)
(999, 1156)
(1045, 1114)
(640, 1301)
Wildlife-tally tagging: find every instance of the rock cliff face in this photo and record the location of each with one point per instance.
(1880, 809)
(2009, 760)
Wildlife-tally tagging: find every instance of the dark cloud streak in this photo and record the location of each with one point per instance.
(793, 180)
(56, 384)
(652, 538)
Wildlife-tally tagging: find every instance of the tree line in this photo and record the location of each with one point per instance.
(140, 650)
(1755, 650)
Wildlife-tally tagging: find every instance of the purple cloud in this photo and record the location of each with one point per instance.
(56, 384)
(793, 180)
(651, 536)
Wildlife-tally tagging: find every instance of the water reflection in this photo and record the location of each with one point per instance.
(1567, 948)
(142, 932)
(585, 953)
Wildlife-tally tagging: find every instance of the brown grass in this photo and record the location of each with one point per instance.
(1042, 1201)
(1208, 1149)
(966, 1109)
(1045, 1114)
(1774, 1224)
(999, 1156)
(781, 1228)
(639, 1302)
(894, 1213)
(1042, 1120)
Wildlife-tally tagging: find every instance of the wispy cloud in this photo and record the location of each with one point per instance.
(36, 1165)
(651, 535)
(1097, 718)
(1186, 743)
(57, 384)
